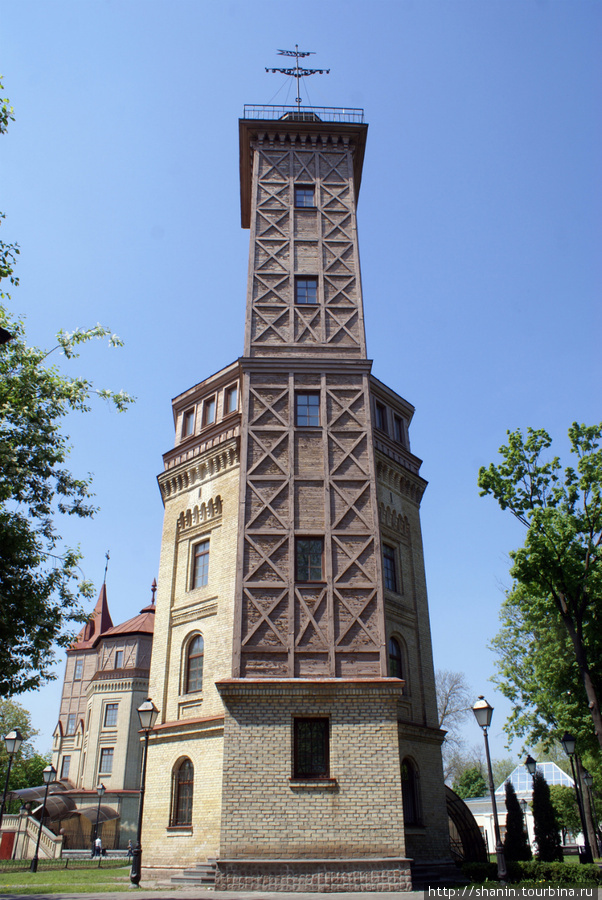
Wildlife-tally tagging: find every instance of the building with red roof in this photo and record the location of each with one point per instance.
(96, 740)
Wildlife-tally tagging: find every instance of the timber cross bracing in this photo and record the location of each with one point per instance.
(299, 482)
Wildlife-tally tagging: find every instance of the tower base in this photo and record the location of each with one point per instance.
(313, 875)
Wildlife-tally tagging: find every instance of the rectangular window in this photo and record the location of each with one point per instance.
(111, 715)
(309, 554)
(188, 423)
(79, 668)
(381, 417)
(118, 659)
(209, 411)
(106, 761)
(306, 290)
(304, 196)
(389, 568)
(310, 752)
(65, 767)
(307, 410)
(200, 565)
(398, 426)
(232, 399)
(71, 723)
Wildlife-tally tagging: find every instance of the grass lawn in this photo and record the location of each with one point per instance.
(65, 881)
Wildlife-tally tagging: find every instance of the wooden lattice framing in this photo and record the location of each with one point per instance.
(302, 481)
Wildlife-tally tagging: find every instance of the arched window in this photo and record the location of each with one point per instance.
(193, 680)
(182, 791)
(410, 793)
(395, 659)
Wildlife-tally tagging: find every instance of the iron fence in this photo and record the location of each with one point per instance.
(304, 113)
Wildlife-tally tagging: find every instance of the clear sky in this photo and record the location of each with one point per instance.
(480, 235)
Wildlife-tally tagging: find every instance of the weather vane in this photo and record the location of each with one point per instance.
(107, 557)
(297, 72)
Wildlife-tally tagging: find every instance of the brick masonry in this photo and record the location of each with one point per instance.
(316, 875)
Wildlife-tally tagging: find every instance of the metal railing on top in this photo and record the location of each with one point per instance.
(304, 113)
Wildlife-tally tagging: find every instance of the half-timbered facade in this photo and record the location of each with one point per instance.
(297, 741)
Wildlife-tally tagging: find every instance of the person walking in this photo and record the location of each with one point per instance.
(130, 850)
(98, 846)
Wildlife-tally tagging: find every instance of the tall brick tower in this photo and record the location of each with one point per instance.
(292, 666)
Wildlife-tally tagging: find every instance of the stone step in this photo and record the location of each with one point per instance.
(201, 874)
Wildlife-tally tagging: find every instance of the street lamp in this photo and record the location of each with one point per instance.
(100, 789)
(588, 778)
(531, 766)
(48, 775)
(147, 713)
(12, 742)
(483, 713)
(569, 744)
(523, 806)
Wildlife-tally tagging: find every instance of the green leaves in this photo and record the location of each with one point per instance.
(41, 588)
(550, 646)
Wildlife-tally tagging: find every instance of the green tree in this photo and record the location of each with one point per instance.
(40, 585)
(501, 769)
(547, 835)
(566, 809)
(516, 843)
(470, 784)
(550, 646)
(28, 764)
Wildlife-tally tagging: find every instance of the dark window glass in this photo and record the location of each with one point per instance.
(304, 195)
(65, 767)
(306, 290)
(311, 758)
(307, 410)
(389, 568)
(183, 785)
(188, 424)
(200, 565)
(409, 792)
(71, 723)
(106, 761)
(111, 714)
(309, 558)
(232, 399)
(79, 668)
(209, 411)
(398, 423)
(194, 665)
(395, 661)
(119, 659)
(381, 417)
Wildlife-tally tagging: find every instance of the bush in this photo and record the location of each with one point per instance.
(556, 873)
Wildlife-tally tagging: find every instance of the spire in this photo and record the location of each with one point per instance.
(99, 622)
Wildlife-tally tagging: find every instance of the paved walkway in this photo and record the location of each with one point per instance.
(199, 894)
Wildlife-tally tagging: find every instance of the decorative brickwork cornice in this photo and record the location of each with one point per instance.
(407, 483)
(183, 473)
(199, 513)
(421, 733)
(393, 520)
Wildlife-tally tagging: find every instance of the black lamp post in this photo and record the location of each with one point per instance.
(524, 806)
(147, 713)
(100, 789)
(12, 742)
(531, 766)
(483, 713)
(569, 743)
(48, 774)
(588, 778)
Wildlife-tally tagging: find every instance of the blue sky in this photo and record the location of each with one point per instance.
(480, 232)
